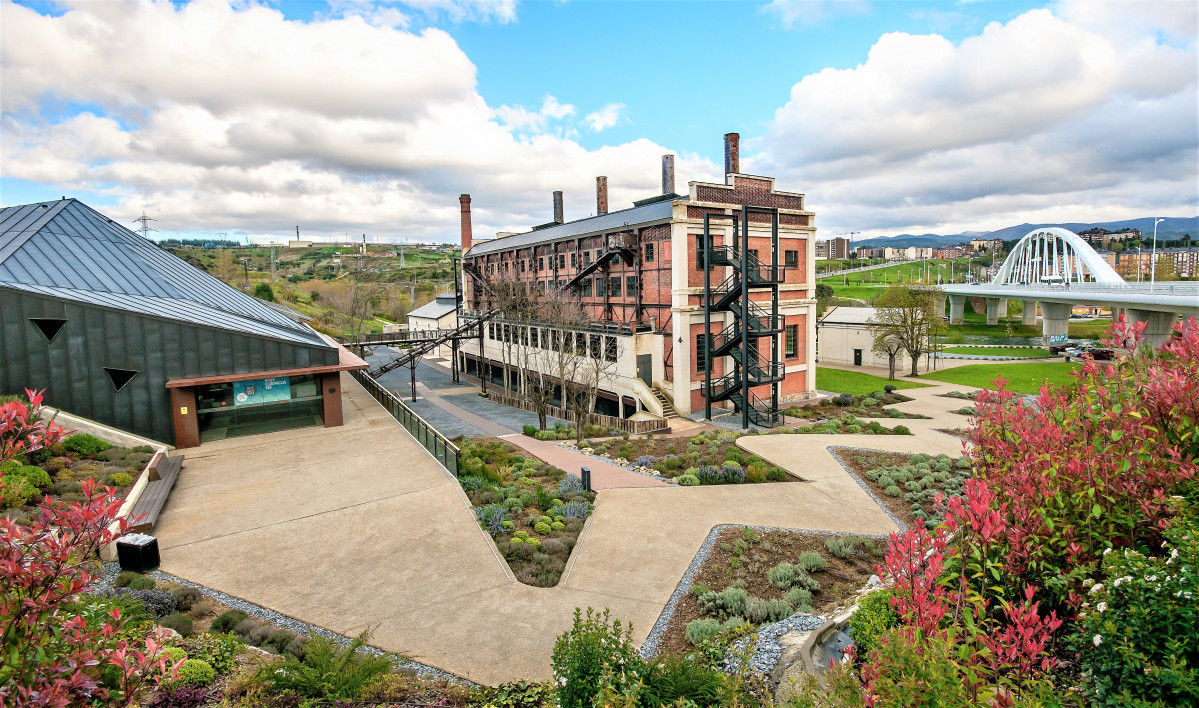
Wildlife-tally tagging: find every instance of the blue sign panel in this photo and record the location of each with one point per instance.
(258, 391)
(276, 389)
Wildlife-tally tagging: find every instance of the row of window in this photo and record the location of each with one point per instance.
(790, 258)
(537, 265)
(581, 343)
(790, 346)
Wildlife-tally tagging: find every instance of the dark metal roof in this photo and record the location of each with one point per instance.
(68, 250)
(611, 221)
(440, 307)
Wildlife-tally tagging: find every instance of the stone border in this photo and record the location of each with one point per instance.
(832, 450)
(111, 570)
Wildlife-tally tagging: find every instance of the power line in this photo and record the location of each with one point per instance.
(144, 229)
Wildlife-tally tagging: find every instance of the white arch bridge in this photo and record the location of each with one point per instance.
(1058, 269)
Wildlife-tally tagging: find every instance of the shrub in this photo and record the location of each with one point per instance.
(645, 461)
(840, 547)
(700, 630)
(296, 647)
(811, 562)
(542, 528)
(893, 490)
(492, 518)
(844, 399)
(578, 509)
(219, 651)
(901, 430)
(758, 610)
(15, 491)
(176, 654)
(581, 655)
(204, 607)
(874, 617)
(800, 598)
(889, 388)
(776, 474)
(185, 597)
(179, 622)
(196, 672)
(280, 639)
(781, 576)
(246, 627)
(470, 482)
(142, 582)
(156, 602)
(725, 604)
(327, 670)
(226, 621)
(86, 445)
(257, 636)
(530, 430)
(125, 577)
(699, 589)
(687, 480)
(570, 485)
(179, 696)
(675, 679)
(732, 474)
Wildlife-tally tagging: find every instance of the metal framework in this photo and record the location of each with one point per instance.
(741, 339)
(1054, 255)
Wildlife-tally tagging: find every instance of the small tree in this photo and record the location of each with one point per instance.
(908, 315)
(53, 656)
(887, 343)
(263, 291)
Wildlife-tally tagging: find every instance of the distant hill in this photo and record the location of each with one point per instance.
(1170, 228)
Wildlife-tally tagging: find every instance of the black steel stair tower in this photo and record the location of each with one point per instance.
(752, 322)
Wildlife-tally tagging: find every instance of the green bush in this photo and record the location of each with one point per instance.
(800, 598)
(225, 622)
(581, 654)
(700, 630)
(36, 476)
(175, 654)
(219, 651)
(727, 603)
(127, 577)
(542, 528)
(674, 678)
(781, 576)
(179, 622)
(142, 582)
(120, 479)
(687, 480)
(327, 671)
(842, 548)
(874, 617)
(811, 562)
(1138, 641)
(86, 445)
(279, 639)
(196, 672)
(530, 430)
(901, 430)
(15, 491)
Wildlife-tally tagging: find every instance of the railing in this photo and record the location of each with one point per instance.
(634, 427)
(1124, 288)
(417, 335)
(439, 445)
(758, 272)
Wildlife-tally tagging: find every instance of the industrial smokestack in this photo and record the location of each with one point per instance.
(732, 153)
(601, 195)
(464, 202)
(559, 215)
(668, 174)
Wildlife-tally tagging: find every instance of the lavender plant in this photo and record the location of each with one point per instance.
(570, 485)
(578, 509)
(492, 518)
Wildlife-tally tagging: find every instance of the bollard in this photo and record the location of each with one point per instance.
(586, 478)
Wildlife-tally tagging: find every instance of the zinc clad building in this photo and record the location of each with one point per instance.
(119, 331)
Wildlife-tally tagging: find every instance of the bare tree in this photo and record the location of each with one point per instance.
(908, 316)
(516, 309)
(887, 343)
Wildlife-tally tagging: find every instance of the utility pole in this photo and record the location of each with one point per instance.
(145, 225)
(274, 277)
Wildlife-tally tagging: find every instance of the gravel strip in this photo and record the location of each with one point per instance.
(649, 648)
(767, 650)
(110, 571)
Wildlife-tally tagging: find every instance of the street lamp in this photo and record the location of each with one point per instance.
(1153, 258)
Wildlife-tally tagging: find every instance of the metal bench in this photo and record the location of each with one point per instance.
(163, 473)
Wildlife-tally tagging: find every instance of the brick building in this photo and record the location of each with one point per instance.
(639, 273)
(839, 247)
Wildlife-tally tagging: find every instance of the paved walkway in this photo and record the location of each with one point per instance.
(357, 527)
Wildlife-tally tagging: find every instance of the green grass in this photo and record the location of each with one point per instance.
(1021, 378)
(858, 384)
(1021, 352)
(956, 334)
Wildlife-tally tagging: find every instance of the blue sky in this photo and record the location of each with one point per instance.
(371, 116)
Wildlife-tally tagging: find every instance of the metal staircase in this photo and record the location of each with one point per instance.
(462, 331)
(620, 246)
(754, 363)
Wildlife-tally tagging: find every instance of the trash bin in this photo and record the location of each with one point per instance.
(137, 552)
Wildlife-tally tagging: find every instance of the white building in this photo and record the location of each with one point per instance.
(442, 313)
(844, 336)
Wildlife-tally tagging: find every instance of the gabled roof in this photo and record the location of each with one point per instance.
(66, 249)
(440, 307)
(611, 221)
(848, 315)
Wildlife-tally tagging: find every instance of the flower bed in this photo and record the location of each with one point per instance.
(872, 406)
(534, 511)
(58, 472)
(908, 484)
(756, 577)
(706, 458)
(846, 425)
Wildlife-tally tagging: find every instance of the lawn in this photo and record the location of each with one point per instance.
(1021, 352)
(1022, 378)
(858, 384)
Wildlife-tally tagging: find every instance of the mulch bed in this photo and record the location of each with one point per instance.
(724, 565)
(860, 461)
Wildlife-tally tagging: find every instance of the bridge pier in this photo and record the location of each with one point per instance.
(1159, 324)
(1029, 315)
(1055, 319)
(996, 308)
(957, 308)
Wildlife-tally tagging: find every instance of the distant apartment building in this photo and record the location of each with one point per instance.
(1102, 238)
(1172, 263)
(822, 250)
(948, 252)
(868, 252)
(990, 245)
(839, 247)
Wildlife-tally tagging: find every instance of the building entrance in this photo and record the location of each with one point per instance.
(236, 408)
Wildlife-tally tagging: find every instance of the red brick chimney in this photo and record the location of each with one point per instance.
(668, 174)
(732, 153)
(601, 195)
(464, 201)
(559, 214)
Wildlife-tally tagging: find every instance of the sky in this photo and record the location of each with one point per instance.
(350, 117)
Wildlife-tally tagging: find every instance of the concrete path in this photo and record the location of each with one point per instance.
(357, 527)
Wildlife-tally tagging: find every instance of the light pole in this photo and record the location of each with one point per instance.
(1153, 258)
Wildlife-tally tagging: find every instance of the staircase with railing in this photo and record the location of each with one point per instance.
(752, 364)
(415, 352)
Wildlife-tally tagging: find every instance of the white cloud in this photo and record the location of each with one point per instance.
(807, 13)
(604, 118)
(1041, 117)
(337, 124)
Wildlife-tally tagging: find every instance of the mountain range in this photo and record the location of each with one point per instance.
(1169, 228)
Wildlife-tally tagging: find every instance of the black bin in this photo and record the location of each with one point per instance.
(137, 552)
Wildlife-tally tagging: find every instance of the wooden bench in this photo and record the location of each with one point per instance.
(163, 473)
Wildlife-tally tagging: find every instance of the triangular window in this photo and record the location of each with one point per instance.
(120, 377)
(49, 327)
